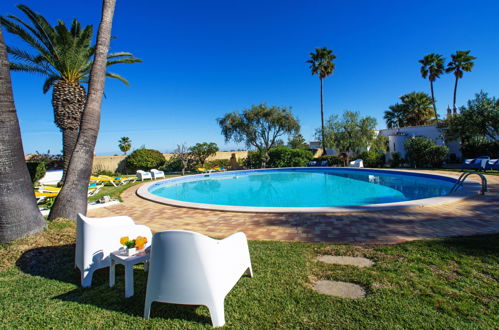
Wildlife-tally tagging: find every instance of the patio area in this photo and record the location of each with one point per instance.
(473, 216)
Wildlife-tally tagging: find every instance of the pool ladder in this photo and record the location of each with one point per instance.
(464, 176)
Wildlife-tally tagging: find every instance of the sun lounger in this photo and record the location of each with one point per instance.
(156, 174)
(478, 164)
(193, 269)
(492, 164)
(143, 175)
(103, 180)
(357, 163)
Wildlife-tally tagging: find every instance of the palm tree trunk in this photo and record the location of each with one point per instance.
(433, 99)
(455, 90)
(73, 196)
(69, 138)
(19, 215)
(322, 120)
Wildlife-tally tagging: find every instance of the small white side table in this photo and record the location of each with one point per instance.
(117, 257)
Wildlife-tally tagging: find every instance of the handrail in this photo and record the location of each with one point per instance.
(464, 176)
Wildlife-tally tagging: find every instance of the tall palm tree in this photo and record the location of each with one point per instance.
(432, 66)
(461, 62)
(73, 196)
(19, 215)
(125, 144)
(321, 64)
(64, 57)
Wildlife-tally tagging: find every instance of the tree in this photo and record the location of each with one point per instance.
(351, 134)
(259, 126)
(297, 141)
(125, 144)
(73, 196)
(64, 57)
(19, 215)
(415, 109)
(395, 117)
(201, 151)
(184, 155)
(461, 62)
(321, 64)
(432, 66)
(479, 119)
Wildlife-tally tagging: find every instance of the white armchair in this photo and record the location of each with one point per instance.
(143, 175)
(192, 269)
(156, 174)
(96, 238)
(357, 163)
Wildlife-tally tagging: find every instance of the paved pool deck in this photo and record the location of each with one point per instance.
(472, 216)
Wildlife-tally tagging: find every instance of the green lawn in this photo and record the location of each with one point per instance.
(115, 192)
(444, 283)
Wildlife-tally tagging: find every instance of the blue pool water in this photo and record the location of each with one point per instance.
(303, 187)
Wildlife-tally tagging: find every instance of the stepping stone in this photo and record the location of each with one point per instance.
(340, 289)
(343, 260)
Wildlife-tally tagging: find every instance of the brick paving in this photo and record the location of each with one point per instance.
(476, 215)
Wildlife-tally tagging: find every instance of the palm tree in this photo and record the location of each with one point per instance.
(395, 117)
(415, 109)
(419, 108)
(461, 61)
(19, 215)
(125, 144)
(64, 57)
(73, 196)
(321, 64)
(432, 66)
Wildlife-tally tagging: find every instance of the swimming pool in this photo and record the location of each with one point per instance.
(299, 189)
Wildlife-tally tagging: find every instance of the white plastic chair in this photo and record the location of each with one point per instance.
(192, 269)
(96, 238)
(156, 174)
(357, 163)
(143, 175)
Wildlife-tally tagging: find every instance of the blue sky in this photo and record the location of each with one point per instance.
(203, 59)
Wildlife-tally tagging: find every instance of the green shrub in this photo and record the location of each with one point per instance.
(254, 159)
(107, 172)
(396, 160)
(287, 157)
(423, 152)
(480, 146)
(372, 158)
(336, 160)
(437, 156)
(173, 164)
(36, 170)
(225, 163)
(279, 157)
(144, 159)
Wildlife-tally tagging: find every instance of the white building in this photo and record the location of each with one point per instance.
(397, 136)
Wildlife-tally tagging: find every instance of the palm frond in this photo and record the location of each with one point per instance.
(46, 32)
(16, 29)
(49, 83)
(117, 76)
(29, 68)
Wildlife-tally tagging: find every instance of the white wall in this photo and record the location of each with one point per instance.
(397, 136)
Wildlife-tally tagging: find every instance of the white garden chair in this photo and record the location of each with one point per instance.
(96, 238)
(143, 175)
(192, 269)
(357, 163)
(156, 174)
